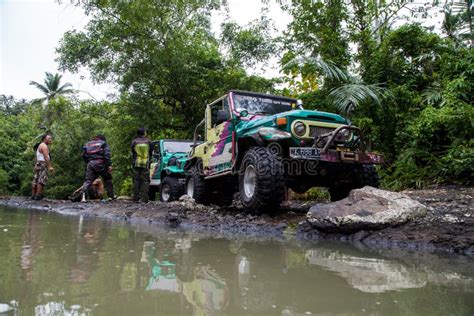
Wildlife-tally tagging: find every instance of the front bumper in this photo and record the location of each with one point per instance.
(351, 157)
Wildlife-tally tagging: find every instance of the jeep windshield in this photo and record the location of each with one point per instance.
(177, 147)
(262, 105)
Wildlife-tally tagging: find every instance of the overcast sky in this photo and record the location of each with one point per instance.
(31, 29)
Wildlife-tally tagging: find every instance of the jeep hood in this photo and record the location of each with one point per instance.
(314, 116)
(317, 116)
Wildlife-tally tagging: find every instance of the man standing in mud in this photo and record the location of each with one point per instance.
(96, 154)
(142, 149)
(42, 166)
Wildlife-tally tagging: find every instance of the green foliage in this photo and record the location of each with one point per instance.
(439, 148)
(3, 181)
(313, 194)
(316, 30)
(17, 137)
(163, 55)
(413, 93)
(250, 44)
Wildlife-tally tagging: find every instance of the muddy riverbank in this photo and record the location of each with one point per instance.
(447, 227)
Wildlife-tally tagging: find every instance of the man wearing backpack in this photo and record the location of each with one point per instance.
(96, 154)
(142, 149)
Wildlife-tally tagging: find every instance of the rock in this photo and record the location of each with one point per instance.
(365, 209)
(186, 198)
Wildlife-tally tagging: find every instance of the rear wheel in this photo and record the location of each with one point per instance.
(196, 186)
(368, 176)
(170, 189)
(261, 180)
(363, 175)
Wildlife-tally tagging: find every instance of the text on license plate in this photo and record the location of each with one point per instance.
(304, 153)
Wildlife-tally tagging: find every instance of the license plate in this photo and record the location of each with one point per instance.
(304, 153)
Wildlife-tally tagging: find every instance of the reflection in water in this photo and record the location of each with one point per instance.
(61, 265)
(368, 274)
(208, 293)
(162, 273)
(58, 308)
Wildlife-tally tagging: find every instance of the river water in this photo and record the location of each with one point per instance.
(64, 265)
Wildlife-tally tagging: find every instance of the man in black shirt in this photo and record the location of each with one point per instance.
(96, 153)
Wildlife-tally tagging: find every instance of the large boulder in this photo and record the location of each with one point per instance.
(365, 209)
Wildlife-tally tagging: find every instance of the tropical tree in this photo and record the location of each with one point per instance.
(51, 87)
(457, 23)
(346, 91)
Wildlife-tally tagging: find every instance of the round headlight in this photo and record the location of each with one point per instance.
(299, 129)
(343, 136)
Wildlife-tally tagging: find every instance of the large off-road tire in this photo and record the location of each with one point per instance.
(196, 186)
(261, 180)
(340, 191)
(152, 189)
(363, 175)
(368, 176)
(171, 189)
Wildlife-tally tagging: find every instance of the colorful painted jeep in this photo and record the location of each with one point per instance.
(261, 144)
(167, 175)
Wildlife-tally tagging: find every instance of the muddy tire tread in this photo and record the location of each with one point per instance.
(176, 188)
(201, 192)
(270, 186)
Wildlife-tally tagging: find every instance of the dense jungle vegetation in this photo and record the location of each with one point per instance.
(409, 87)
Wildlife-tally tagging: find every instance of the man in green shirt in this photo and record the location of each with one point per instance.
(142, 149)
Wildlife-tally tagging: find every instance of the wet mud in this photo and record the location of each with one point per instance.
(447, 227)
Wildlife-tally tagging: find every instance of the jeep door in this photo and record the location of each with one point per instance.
(219, 133)
(155, 166)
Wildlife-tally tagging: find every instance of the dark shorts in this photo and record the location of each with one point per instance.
(40, 173)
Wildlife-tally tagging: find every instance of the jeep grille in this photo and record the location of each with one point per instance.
(315, 131)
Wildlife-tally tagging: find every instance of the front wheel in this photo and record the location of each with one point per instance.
(261, 180)
(171, 189)
(196, 186)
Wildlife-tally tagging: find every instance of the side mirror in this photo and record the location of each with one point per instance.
(299, 103)
(222, 116)
(242, 112)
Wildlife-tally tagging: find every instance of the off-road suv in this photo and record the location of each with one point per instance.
(261, 144)
(167, 175)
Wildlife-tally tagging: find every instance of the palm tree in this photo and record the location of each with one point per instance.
(457, 23)
(51, 87)
(350, 91)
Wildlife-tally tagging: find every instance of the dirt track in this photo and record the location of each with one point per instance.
(448, 226)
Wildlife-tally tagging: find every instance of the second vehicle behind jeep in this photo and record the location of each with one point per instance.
(167, 175)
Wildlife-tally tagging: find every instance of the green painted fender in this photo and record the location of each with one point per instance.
(273, 134)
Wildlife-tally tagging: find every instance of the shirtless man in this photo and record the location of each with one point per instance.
(42, 167)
